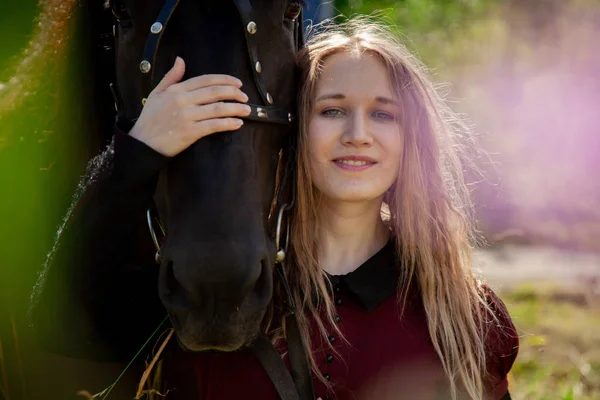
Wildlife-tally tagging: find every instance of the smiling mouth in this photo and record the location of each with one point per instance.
(354, 164)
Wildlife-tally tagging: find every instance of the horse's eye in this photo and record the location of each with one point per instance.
(293, 10)
(118, 9)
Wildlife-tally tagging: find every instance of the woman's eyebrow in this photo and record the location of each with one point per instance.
(340, 96)
(385, 100)
(334, 96)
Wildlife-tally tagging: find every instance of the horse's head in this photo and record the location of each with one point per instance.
(214, 199)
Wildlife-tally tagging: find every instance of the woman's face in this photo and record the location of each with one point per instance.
(354, 138)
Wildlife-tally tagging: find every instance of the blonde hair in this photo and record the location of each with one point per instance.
(430, 211)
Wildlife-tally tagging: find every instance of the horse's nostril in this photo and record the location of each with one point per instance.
(263, 285)
(172, 284)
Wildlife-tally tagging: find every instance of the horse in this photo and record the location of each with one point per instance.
(215, 200)
(217, 260)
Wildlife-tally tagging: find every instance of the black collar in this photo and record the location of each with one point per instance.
(374, 281)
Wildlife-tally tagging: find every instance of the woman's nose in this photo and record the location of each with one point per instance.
(357, 132)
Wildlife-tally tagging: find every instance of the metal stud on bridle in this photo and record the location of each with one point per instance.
(156, 28)
(251, 27)
(145, 66)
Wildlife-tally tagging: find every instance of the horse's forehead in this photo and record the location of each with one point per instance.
(262, 9)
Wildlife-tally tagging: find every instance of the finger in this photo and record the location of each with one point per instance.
(213, 94)
(202, 81)
(216, 110)
(210, 126)
(174, 75)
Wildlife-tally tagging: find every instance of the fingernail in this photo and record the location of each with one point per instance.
(240, 122)
(239, 82)
(248, 109)
(245, 96)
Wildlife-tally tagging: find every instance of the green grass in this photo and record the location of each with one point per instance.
(559, 356)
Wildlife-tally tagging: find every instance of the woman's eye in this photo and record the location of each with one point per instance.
(332, 112)
(384, 116)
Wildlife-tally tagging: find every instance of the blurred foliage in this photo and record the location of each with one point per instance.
(16, 25)
(559, 328)
(429, 27)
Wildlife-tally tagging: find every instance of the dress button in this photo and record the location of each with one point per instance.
(337, 319)
(329, 358)
(338, 301)
(337, 289)
(327, 377)
(331, 339)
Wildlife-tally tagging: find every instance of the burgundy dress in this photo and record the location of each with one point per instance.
(384, 356)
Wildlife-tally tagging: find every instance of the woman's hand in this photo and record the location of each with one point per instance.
(176, 114)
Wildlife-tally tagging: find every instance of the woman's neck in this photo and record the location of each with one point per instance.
(349, 234)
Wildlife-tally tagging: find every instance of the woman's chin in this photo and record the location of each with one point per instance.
(355, 195)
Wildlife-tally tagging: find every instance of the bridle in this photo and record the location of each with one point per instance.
(266, 112)
(298, 384)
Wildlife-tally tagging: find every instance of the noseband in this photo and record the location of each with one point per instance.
(298, 384)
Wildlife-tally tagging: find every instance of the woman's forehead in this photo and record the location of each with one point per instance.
(363, 75)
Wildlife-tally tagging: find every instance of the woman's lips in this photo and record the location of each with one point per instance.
(354, 163)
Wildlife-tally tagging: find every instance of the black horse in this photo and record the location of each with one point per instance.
(214, 199)
(217, 261)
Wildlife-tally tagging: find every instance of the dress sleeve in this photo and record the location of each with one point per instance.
(96, 295)
(502, 343)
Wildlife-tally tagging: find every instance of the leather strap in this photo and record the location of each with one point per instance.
(271, 361)
(269, 114)
(298, 385)
(151, 49)
(245, 9)
(298, 359)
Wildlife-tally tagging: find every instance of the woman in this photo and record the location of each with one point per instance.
(406, 318)
(380, 242)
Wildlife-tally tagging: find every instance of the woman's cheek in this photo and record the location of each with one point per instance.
(318, 141)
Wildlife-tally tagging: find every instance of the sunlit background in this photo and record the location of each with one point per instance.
(527, 73)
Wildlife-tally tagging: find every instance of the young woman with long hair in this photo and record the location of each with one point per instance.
(381, 230)
(380, 166)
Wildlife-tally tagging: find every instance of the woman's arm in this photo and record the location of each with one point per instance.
(96, 295)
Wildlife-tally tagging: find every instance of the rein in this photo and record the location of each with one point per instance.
(298, 384)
